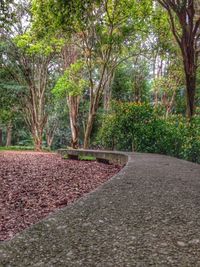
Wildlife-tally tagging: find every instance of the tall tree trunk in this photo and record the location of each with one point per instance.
(37, 133)
(50, 132)
(36, 128)
(95, 97)
(1, 138)
(38, 145)
(70, 54)
(94, 104)
(191, 89)
(37, 142)
(73, 104)
(190, 77)
(187, 35)
(49, 140)
(109, 76)
(190, 69)
(35, 103)
(90, 122)
(9, 134)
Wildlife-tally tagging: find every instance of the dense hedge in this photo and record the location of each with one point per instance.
(137, 127)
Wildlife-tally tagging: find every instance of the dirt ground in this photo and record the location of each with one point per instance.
(35, 184)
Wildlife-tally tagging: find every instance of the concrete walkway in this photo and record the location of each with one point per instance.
(147, 215)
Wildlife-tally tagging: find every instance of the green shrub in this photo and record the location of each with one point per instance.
(191, 144)
(137, 127)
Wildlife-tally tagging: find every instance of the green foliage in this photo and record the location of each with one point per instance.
(131, 79)
(9, 97)
(137, 127)
(191, 141)
(32, 46)
(7, 13)
(126, 127)
(53, 17)
(160, 27)
(72, 82)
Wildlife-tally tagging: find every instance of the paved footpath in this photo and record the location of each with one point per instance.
(147, 215)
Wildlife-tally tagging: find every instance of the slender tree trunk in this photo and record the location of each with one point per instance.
(73, 104)
(49, 141)
(9, 134)
(190, 68)
(37, 129)
(190, 93)
(94, 103)
(187, 37)
(35, 113)
(1, 138)
(70, 54)
(191, 88)
(95, 96)
(38, 143)
(37, 132)
(89, 127)
(107, 90)
(50, 133)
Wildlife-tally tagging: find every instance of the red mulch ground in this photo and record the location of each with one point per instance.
(33, 185)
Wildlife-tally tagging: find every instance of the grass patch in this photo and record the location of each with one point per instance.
(79, 157)
(16, 148)
(65, 157)
(87, 158)
(21, 148)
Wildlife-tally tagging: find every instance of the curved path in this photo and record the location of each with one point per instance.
(147, 215)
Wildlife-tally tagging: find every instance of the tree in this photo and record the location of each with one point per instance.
(103, 31)
(29, 65)
(184, 16)
(167, 88)
(34, 69)
(71, 85)
(131, 81)
(9, 98)
(108, 29)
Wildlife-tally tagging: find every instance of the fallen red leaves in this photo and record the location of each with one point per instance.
(35, 184)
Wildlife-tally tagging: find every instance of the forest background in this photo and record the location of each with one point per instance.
(109, 74)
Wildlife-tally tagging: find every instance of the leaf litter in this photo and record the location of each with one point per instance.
(34, 184)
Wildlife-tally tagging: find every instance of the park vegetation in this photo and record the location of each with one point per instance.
(108, 74)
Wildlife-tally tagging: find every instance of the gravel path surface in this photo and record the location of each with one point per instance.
(147, 215)
(35, 184)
